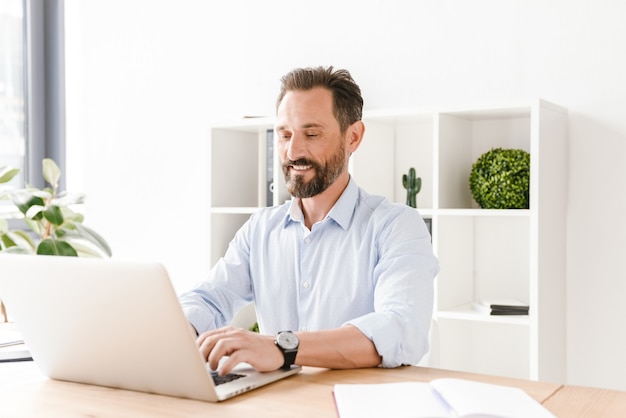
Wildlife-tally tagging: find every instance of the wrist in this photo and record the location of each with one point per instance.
(288, 343)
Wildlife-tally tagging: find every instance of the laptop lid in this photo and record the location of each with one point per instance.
(109, 322)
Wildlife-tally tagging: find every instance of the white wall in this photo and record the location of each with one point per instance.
(146, 77)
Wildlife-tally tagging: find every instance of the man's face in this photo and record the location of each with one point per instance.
(310, 144)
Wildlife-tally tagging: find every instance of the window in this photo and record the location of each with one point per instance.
(32, 87)
(12, 103)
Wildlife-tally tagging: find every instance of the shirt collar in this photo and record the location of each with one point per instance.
(340, 213)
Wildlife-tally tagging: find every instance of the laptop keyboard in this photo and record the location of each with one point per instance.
(226, 378)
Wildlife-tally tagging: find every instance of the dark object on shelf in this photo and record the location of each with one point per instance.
(500, 179)
(269, 161)
(508, 312)
(502, 307)
(14, 356)
(429, 226)
(413, 185)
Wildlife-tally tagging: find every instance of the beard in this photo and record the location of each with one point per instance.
(325, 175)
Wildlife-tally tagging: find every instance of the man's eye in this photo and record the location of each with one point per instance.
(311, 135)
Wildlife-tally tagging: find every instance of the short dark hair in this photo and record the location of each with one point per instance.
(347, 100)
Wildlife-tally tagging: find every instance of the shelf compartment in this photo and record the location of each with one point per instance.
(392, 144)
(464, 137)
(234, 167)
(466, 313)
(480, 347)
(482, 258)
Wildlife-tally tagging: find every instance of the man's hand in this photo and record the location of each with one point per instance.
(240, 346)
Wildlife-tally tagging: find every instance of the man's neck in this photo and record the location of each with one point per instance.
(317, 207)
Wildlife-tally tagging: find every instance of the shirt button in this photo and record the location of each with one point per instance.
(307, 240)
(305, 285)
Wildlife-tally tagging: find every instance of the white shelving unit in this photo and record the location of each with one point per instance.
(483, 253)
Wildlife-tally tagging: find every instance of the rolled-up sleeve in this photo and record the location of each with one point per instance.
(403, 291)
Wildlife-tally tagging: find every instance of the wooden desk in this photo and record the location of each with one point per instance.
(24, 392)
(308, 394)
(579, 401)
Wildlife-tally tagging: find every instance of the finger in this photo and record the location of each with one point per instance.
(212, 333)
(230, 362)
(206, 342)
(226, 346)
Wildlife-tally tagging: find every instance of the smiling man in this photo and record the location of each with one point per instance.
(339, 278)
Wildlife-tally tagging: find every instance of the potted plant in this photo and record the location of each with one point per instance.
(500, 179)
(53, 227)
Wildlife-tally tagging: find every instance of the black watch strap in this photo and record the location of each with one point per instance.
(290, 358)
(287, 342)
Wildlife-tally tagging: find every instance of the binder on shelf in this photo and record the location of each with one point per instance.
(269, 166)
(501, 307)
(429, 225)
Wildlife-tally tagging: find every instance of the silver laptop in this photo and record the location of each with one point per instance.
(112, 323)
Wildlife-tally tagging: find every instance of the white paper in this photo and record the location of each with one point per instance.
(482, 399)
(8, 338)
(442, 398)
(389, 400)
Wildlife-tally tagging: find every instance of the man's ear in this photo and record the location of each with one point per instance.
(355, 135)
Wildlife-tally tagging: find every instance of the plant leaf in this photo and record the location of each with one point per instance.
(44, 194)
(22, 239)
(85, 248)
(13, 240)
(69, 199)
(35, 212)
(93, 237)
(17, 250)
(51, 172)
(70, 216)
(35, 226)
(55, 247)
(24, 200)
(53, 215)
(7, 242)
(7, 173)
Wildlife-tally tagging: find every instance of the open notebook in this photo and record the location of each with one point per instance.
(441, 398)
(112, 323)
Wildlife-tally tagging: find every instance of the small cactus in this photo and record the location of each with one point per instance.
(412, 185)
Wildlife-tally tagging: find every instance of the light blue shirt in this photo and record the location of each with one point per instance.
(369, 263)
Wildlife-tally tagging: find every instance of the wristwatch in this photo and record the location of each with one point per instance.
(287, 342)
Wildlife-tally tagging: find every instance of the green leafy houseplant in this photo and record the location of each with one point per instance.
(500, 179)
(55, 228)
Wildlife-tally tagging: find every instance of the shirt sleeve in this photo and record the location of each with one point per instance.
(404, 291)
(213, 303)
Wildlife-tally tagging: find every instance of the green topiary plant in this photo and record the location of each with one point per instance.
(56, 228)
(500, 179)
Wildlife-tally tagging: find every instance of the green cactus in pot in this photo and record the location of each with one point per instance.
(413, 185)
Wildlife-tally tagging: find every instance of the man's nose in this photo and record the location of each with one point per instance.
(296, 148)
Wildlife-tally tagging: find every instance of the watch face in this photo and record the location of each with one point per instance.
(287, 340)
